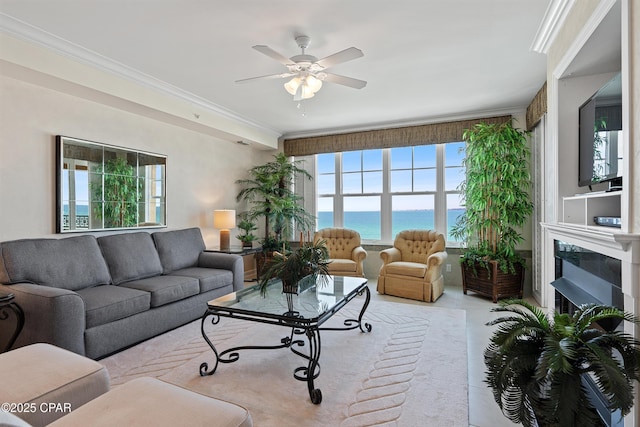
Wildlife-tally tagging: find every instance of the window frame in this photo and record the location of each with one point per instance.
(439, 194)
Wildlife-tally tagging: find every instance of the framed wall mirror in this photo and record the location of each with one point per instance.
(104, 187)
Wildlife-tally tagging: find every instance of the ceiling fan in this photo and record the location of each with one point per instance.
(309, 72)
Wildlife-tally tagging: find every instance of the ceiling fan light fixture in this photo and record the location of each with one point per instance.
(309, 72)
(303, 87)
(292, 85)
(313, 83)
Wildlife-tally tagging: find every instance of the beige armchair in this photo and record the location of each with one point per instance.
(412, 268)
(345, 253)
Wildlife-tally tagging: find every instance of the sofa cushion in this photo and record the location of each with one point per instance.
(209, 278)
(104, 304)
(342, 265)
(404, 268)
(179, 249)
(71, 263)
(339, 241)
(166, 289)
(130, 256)
(417, 245)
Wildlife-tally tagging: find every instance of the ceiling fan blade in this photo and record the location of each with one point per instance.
(267, 77)
(346, 81)
(273, 54)
(340, 57)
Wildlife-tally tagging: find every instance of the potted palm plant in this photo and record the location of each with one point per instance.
(309, 262)
(269, 192)
(535, 365)
(247, 237)
(498, 203)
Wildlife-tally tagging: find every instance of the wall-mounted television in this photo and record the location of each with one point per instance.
(600, 137)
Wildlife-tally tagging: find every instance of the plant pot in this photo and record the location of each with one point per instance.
(493, 283)
(298, 287)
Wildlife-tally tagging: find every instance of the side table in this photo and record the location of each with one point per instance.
(251, 267)
(7, 303)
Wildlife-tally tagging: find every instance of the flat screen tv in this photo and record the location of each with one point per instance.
(600, 137)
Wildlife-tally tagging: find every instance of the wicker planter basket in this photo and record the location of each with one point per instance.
(495, 285)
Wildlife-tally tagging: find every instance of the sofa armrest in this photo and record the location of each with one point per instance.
(224, 261)
(52, 315)
(390, 255)
(358, 254)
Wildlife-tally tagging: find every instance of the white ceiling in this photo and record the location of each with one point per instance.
(424, 60)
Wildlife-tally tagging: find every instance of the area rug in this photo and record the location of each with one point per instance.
(410, 370)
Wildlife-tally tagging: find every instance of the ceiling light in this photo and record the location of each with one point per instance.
(303, 87)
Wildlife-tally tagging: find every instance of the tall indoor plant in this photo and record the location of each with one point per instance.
(535, 364)
(269, 192)
(498, 203)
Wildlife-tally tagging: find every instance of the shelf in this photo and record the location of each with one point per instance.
(581, 208)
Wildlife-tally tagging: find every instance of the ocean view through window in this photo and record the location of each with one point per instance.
(384, 191)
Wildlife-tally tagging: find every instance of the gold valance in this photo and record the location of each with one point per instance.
(434, 133)
(537, 108)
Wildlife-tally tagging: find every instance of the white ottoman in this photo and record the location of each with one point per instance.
(151, 402)
(42, 383)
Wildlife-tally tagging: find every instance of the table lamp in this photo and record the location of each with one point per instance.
(224, 219)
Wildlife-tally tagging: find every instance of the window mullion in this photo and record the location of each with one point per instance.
(385, 199)
(338, 205)
(440, 204)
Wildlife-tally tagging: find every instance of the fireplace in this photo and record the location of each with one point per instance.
(583, 277)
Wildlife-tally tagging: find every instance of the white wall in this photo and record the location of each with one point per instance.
(201, 170)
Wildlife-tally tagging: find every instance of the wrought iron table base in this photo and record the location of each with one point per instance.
(303, 373)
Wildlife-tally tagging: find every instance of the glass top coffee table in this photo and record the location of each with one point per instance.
(303, 313)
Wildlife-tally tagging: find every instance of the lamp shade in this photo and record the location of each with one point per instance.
(308, 86)
(224, 219)
(292, 85)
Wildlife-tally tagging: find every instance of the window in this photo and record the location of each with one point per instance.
(381, 192)
(454, 174)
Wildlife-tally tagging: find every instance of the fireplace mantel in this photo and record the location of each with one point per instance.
(614, 243)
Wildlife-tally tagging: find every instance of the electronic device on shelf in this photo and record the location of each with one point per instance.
(608, 221)
(600, 137)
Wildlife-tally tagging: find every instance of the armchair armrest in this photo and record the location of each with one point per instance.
(436, 259)
(51, 315)
(434, 265)
(390, 255)
(224, 262)
(358, 254)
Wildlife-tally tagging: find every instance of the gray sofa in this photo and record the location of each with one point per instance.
(95, 296)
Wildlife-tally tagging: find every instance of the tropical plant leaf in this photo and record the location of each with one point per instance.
(535, 366)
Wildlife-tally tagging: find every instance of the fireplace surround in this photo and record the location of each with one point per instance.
(583, 276)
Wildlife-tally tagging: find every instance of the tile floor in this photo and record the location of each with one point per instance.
(483, 411)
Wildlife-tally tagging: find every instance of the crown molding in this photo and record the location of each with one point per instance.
(26, 32)
(554, 17)
(581, 39)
